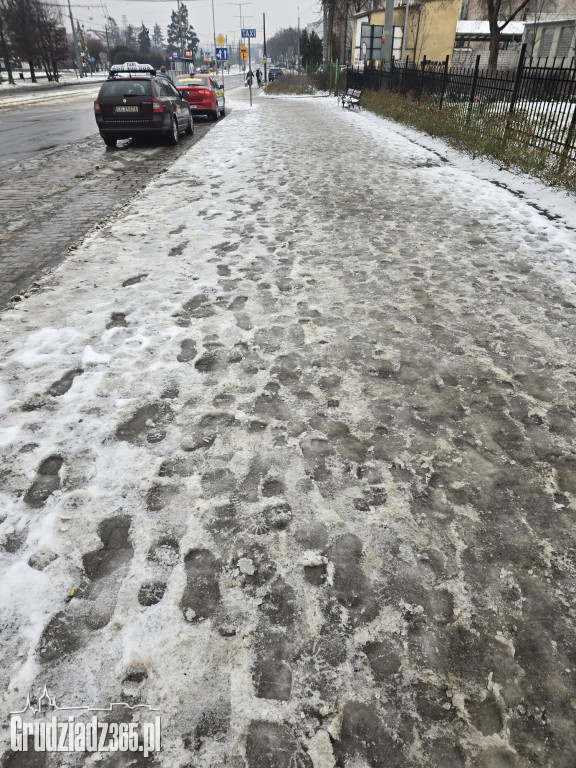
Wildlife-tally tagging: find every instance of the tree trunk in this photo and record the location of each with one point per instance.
(32, 72)
(344, 37)
(6, 55)
(331, 4)
(494, 44)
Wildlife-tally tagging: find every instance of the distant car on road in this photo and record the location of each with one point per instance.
(274, 73)
(134, 102)
(203, 93)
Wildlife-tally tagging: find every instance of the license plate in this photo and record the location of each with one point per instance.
(193, 106)
(126, 109)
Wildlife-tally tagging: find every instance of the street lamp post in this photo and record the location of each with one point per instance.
(214, 36)
(76, 46)
(180, 32)
(241, 19)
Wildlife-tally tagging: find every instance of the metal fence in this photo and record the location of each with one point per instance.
(534, 105)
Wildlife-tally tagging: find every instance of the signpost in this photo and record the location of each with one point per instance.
(249, 33)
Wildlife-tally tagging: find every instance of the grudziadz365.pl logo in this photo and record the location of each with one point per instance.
(48, 727)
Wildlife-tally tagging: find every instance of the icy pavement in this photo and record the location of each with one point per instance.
(298, 428)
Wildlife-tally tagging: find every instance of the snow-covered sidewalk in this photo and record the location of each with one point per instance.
(298, 429)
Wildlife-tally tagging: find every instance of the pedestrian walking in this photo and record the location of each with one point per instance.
(259, 77)
(249, 78)
(163, 73)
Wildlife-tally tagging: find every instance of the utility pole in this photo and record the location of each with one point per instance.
(388, 32)
(76, 46)
(298, 53)
(403, 54)
(325, 34)
(265, 56)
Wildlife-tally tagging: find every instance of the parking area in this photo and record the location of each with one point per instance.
(52, 199)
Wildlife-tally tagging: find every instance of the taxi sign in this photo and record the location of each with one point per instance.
(248, 33)
(131, 66)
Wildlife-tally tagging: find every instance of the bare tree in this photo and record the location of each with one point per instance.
(5, 48)
(30, 31)
(338, 15)
(500, 14)
(21, 23)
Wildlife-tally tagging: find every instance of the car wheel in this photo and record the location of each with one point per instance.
(190, 127)
(223, 112)
(109, 141)
(173, 135)
(215, 115)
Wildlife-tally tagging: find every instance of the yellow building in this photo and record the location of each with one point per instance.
(430, 32)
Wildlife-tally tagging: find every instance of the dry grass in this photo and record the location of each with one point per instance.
(482, 135)
(297, 85)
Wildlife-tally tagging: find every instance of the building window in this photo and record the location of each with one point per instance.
(564, 42)
(546, 43)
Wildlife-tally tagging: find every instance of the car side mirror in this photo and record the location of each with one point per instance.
(181, 93)
(221, 86)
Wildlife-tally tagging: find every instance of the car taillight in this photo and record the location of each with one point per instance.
(97, 109)
(204, 92)
(157, 105)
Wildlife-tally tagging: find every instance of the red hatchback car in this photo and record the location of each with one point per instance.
(204, 95)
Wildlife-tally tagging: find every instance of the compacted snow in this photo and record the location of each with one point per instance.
(297, 426)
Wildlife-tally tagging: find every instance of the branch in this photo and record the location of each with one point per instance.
(513, 15)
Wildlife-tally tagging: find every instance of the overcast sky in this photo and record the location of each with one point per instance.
(279, 14)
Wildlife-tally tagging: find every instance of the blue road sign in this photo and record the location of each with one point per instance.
(174, 54)
(221, 54)
(248, 33)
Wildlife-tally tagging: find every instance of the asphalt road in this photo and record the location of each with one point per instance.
(46, 120)
(34, 126)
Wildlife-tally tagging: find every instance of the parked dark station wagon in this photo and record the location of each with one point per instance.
(134, 101)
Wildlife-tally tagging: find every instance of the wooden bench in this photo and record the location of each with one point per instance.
(350, 99)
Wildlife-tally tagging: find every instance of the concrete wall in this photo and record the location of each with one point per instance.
(465, 57)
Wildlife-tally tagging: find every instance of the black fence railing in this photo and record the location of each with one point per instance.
(534, 105)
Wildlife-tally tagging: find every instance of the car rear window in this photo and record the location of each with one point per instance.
(191, 81)
(123, 88)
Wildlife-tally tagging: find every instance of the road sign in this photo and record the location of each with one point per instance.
(243, 56)
(221, 54)
(174, 54)
(248, 33)
(220, 39)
